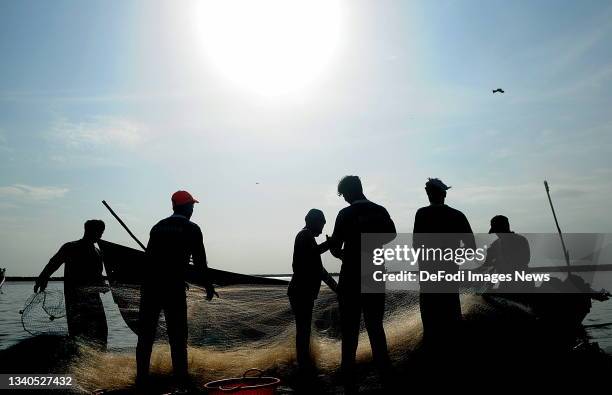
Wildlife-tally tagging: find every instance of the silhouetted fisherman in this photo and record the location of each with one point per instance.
(171, 244)
(361, 216)
(509, 253)
(83, 282)
(440, 226)
(308, 272)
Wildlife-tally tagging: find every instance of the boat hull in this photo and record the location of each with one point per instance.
(126, 268)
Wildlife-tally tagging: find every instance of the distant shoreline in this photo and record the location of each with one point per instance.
(26, 278)
(17, 278)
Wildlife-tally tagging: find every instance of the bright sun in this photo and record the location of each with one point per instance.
(271, 47)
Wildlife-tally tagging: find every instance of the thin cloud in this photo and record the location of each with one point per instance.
(59, 96)
(568, 187)
(99, 131)
(32, 193)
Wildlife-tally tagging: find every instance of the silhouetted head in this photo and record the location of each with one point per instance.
(315, 221)
(436, 190)
(500, 224)
(94, 228)
(350, 188)
(182, 203)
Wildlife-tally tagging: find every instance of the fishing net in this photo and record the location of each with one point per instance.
(247, 326)
(253, 326)
(45, 313)
(249, 313)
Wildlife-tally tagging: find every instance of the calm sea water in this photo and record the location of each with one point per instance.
(14, 295)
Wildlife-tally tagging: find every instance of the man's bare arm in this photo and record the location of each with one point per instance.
(199, 261)
(54, 263)
(329, 280)
(323, 247)
(336, 240)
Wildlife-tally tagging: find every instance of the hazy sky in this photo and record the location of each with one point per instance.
(129, 101)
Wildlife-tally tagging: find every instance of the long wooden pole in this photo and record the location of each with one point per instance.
(565, 252)
(124, 225)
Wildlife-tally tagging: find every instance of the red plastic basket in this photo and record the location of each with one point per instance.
(245, 385)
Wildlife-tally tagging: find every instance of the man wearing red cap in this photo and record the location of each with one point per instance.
(173, 241)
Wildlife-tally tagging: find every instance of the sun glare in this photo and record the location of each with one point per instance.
(271, 47)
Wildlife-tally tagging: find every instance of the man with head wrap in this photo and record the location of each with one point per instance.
(440, 226)
(308, 272)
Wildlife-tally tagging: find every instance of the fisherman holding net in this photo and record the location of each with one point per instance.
(83, 282)
(361, 216)
(509, 253)
(173, 241)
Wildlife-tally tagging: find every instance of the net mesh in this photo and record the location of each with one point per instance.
(45, 313)
(248, 326)
(253, 326)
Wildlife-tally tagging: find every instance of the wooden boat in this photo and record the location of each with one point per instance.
(125, 265)
(125, 268)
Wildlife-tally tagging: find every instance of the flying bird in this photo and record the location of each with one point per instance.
(500, 90)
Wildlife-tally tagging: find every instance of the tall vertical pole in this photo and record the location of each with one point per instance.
(565, 252)
(124, 225)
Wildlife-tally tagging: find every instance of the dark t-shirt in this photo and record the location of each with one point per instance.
(440, 218)
(509, 253)
(439, 226)
(173, 241)
(83, 265)
(308, 271)
(362, 216)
